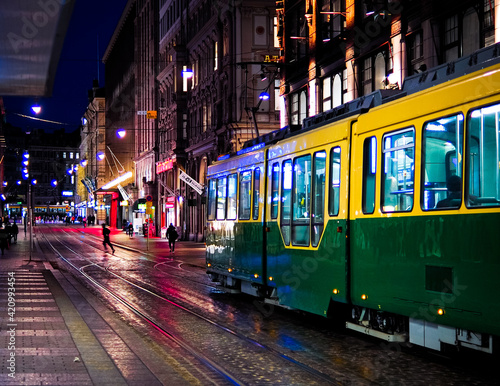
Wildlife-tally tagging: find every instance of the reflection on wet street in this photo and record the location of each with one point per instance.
(169, 300)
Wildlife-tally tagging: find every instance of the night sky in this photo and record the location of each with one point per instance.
(92, 25)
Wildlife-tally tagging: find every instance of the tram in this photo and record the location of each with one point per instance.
(383, 211)
(55, 212)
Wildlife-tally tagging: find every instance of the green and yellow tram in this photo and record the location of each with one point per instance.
(384, 211)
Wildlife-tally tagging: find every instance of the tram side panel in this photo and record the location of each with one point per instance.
(234, 230)
(416, 249)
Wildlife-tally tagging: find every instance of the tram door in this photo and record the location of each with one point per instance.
(306, 223)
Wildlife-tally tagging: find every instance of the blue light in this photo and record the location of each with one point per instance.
(264, 96)
(250, 149)
(120, 133)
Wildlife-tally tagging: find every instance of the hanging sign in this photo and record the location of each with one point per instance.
(191, 182)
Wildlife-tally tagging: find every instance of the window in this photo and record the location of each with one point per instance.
(221, 198)
(333, 203)
(232, 182)
(369, 171)
(216, 55)
(212, 199)
(318, 197)
(245, 195)
(275, 196)
(301, 199)
(286, 189)
(415, 52)
(483, 152)
(367, 76)
(333, 92)
(299, 107)
(451, 43)
(256, 193)
(398, 165)
(327, 94)
(299, 31)
(488, 22)
(442, 146)
(333, 20)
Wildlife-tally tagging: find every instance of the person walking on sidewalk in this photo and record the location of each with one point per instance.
(106, 241)
(15, 231)
(172, 236)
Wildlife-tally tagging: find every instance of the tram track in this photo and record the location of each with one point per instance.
(149, 290)
(97, 242)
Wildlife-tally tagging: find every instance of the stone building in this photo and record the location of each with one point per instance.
(216, 58)
(338, 50)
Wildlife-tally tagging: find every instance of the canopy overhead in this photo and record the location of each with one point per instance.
(31, 39)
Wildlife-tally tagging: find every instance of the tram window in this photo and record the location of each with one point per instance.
(369, 171)
(483, 145)
(275, 195)
(333, 207)
(221, 198)
(212, 199)
(318, 197)
(398, 166)
(286, 189)
(232, 182)
(443, 149)
(301, 199)
(256, 193)
(245, 195)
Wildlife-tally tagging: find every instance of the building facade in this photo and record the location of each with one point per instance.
(339, 50)
(93, 143)
(121, 117)
(216, 59)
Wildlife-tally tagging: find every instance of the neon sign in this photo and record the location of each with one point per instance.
(163, 166)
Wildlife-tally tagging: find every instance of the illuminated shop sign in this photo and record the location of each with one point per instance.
(163, 166)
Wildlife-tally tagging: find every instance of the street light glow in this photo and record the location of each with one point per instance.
(36, 108)
(120, 133)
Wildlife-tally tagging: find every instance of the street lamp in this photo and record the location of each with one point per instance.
(36, 108)
(120, 133)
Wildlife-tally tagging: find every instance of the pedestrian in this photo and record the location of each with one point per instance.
(172, 236)
(8, 230)
(106, 241)
(15, 231)
(3, 239)
(84, 222)
(130, 230)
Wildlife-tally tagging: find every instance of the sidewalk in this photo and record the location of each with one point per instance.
(54, 332)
